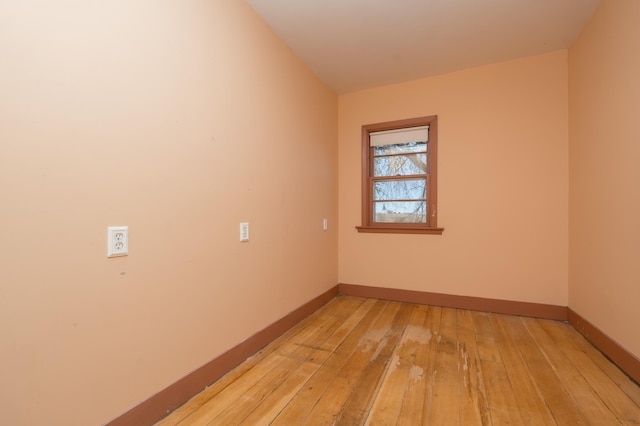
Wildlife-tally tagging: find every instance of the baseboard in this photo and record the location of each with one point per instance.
(536, 310)
(624, 359)
(167, 400)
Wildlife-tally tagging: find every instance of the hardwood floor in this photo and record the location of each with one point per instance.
(362, 361)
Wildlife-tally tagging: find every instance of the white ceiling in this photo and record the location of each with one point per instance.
(357, 44)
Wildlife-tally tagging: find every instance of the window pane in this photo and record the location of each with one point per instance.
(400, 212)
(400, 189)
(400, 148)
(400, 165)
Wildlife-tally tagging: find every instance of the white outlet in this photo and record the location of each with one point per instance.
(244, 231)
(117, 241)
(325, 224)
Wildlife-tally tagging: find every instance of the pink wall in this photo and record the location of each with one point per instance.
(604, 208)
(180, 120)
(502, 184)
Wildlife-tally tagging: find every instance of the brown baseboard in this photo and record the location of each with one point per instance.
(167, 400)
(627, 361)
(624, 359)
(527, 309)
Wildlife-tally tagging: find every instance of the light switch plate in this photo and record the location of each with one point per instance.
(244, 231)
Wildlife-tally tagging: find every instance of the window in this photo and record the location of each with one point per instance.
(399, 179)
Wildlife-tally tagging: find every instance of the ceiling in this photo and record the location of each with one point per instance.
(357, 44)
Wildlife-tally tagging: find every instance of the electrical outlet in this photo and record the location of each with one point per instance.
(117, 241)
(325, 224)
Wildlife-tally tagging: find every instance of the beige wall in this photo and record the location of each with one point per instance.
(604, 104)
(179, 119)
(502, 184)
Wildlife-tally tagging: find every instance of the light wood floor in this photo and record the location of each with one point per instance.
(364, 361)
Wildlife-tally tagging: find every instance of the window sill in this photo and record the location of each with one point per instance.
(399, 230)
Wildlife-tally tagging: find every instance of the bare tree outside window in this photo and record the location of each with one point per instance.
(401, 199)
(399, 192)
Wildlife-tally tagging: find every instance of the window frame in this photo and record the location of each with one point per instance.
(431, 225)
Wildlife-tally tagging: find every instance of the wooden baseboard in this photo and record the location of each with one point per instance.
(624, 359)
(167, 400)
(537, 310)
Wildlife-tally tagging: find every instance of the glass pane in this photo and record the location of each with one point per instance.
(400, 148)
(400, 165)
(400, 212)
(401, 189)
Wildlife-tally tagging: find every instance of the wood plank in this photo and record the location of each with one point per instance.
(364, 361)
(231, 393)
(556, 396)
(533, 408)
(305, 400)
(305, 349)
(473, 401)
(618, 401)
(335, 341)
(273, 404)
(357, 407)
(239, 408)
(278, 358)
(402, 368)
(330, 406)
(501, 400)
(587, 400)
(622, 380)
(444, 407)
(211, 392)
(511, 400)
(318, 345)
(301, 329)
(419, 386)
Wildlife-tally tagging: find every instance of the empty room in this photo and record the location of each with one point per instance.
(319, 212)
